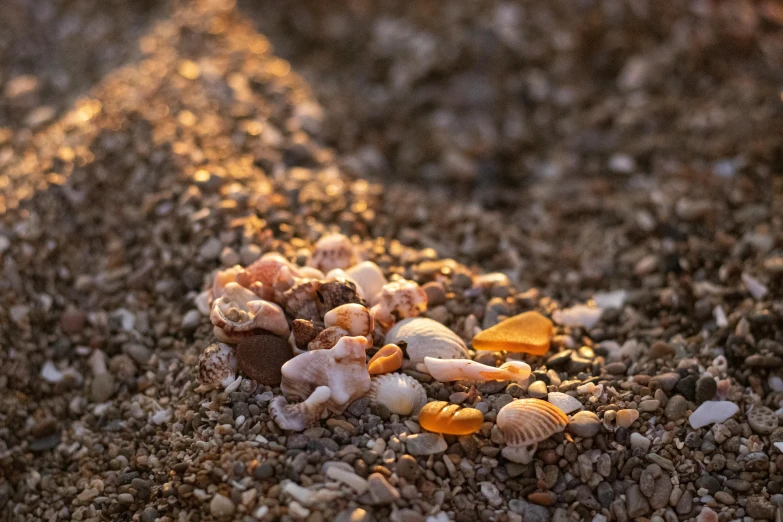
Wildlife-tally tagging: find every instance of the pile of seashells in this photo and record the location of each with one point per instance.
(308, 330)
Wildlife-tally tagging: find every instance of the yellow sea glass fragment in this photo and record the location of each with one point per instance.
(442, 417)
(528, 332)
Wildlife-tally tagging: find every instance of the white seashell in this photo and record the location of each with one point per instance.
(565, 402)
(342, 368)
(299, 417)
(352, 317)
(217, 366)
(327, 338)
(341, 275)
(370, 278)
(239, 314)
(525, 423)
(332, 251)
(399, 300)
(579, 315)
(427, 338)
(445, 370)
(400, 393)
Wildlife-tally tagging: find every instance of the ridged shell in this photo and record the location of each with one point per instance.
(529, 421)
(427, 338)
(299, 417)
(451, 419)
(342, 368)
(400, 393)
(388, 359)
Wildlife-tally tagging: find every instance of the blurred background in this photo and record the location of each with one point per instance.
(474, 97)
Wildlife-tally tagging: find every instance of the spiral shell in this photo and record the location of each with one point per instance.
(400, 393)
(525, 422)
(427, 338)
(299, 417)
(451, 419)
(217, 366)
(388, 359)
(239, 313)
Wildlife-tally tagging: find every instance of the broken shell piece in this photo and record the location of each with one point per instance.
(451, 419)
(388, 359)
(353, 317)
(223, 278)
(338, 274)
(302, 332)
(528, 332)
(217, 366)
(239, 314)
(427, 338)
(341, 368)
(399, 300)
(332, 294)
(299, 417)
(302, 301)
(332, 251)
(445, 370)
(400, 393)
(525, 423)
(272, 270)
(327, 338)
(370, 278)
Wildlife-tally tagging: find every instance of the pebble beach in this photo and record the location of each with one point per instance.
(604, 313)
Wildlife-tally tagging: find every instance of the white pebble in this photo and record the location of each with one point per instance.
(564, 401)
(640, 441)
(754, 286)
(579, 315)
(711, 412)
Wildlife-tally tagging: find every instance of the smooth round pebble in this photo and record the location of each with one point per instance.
(260, 358)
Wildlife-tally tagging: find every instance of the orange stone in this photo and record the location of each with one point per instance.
(442, 417)
(527, 332)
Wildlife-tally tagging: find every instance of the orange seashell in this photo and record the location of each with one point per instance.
(528, 332)
(388, 359)
(442, 417)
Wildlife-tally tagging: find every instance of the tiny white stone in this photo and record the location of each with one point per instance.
(353, 480)
(754, 286)
(779, 446)
(50, 373)
(564, 401)
(640, 441)
(776, 383)
(720, 317)
(711, 412)
(615, 299)
(579, 315)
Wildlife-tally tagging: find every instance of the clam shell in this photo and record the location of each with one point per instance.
(525, 422)
(353, 317)
(217, 366)
(299, 417)
(369, 277)
(427, 338)
(451, 419)
(445, 370)
(332, 251)
(341, 368)
(400, 393)
(388, 359)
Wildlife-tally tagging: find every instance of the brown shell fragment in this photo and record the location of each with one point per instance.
(327, 338)
(302, 301)
(304, 331)
(332, 294)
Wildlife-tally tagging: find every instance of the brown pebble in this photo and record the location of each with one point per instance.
(72, 321)
(260, 358)
(542, 498)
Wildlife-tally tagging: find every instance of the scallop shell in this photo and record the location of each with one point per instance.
(352, 317)
(400, 393)
(388, 359)
(332, 251)
(445, 370)
(525, 423)
(370, 278)
(299, 417)
(427, 338)
(451, 419)
(341, 368)
(239, 314)
(217, 366)
(399, 300)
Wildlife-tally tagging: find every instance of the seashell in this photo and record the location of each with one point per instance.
(224, 277)
(353, 317)
(299, 417)
(338, 274)
(427, 338)
(388, 359)
(399, 300)
(239, 314)
(217, 366)
(525, 423)
(302, 332)
(370, 278)
(528, 332)
(332, 294)
(260, 358)
(272, 270)
(566, 403)
(327, 338)
(445, 370)
(451, 419)
(400, 393)
(341, 368)
(302, 301)
(332, 251)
